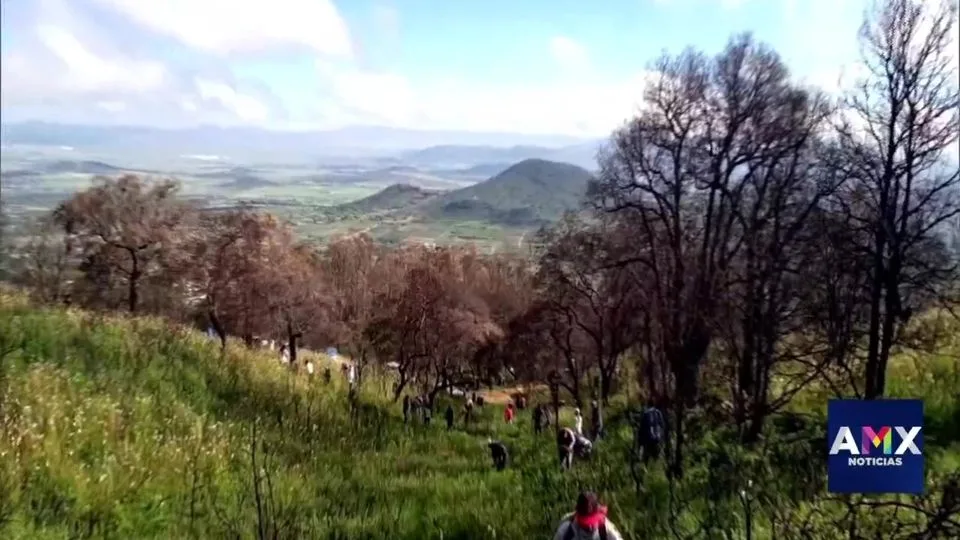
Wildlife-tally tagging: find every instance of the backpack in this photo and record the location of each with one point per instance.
(572, 530)
(653, 424)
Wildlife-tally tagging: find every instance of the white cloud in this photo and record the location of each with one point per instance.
(246, 108)
(387, 19)
(568, 53)
(112, 106)
(64, 67)
(580, 108)
(72, 68)
(232, 26)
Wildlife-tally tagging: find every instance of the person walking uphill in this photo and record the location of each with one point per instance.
(468, 411)
(578, 421)
(499, 453)
(596, 420)
(653, 430)
(537, 419)
(587, 522)
(508, 413)
(449, 417)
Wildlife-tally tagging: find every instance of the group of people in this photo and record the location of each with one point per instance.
(589, 518)
(571, 442)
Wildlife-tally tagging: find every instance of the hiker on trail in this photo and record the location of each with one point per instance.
(468, 411)
(406, 409)
(596, 420)
(351, 375)
(284, 354)
(566, 440)
(426, 409)
(508, 413)
(588, 521)
(480, 401)
(416, 408)
(326, 376)
(653, 430)
(538, 419)
(578, 421)
(498, 451)
(583, 448)
(449, 416)
(310, 368)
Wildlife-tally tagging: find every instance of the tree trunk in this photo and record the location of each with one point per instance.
(218, 328)
(292, 342)
(401, 385)
(676, 467)
(606, 380)
(555, 399)
(133, 282)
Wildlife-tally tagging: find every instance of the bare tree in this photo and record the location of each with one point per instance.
(900, 121)
(680, 177)
(598, 298)
(775, 195)
(236, 265)
(126, 228)
(45, 262)
(356, 273)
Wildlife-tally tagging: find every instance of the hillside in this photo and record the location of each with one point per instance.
(528, 192)
(392, 197)
(138, 428)
(142, 429)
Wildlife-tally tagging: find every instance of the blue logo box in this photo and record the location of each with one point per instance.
(875, 446)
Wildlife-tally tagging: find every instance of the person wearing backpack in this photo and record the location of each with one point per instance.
(499, 453)
(587, 522)
(653, 432)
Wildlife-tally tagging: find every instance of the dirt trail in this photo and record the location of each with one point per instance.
(502, 396)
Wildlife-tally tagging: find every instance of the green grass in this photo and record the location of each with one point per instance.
(136, 428)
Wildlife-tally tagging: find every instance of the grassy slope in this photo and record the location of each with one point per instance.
(124, 425)
(135, 428)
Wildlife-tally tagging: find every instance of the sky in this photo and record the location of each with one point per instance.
(572, 67)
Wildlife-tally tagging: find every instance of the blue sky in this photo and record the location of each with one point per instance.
(527, 66)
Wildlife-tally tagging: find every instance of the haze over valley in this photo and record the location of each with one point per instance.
(396, 193)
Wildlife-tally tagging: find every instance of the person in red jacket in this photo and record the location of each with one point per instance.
(588, 522)
(508, 413)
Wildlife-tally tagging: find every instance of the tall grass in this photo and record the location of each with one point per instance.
(136, 428)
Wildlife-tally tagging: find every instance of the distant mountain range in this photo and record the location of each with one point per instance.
(531, 192)
(66, 167)
(243, 142)
(484, 158)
